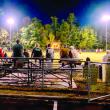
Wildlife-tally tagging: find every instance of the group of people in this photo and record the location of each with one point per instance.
(36, 52)
(70, 52)
(65, 52)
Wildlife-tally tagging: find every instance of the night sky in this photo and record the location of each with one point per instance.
(86, 11)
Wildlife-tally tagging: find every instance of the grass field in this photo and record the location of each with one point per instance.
(95, 57)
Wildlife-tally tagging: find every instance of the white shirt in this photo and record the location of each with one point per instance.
(106, 58)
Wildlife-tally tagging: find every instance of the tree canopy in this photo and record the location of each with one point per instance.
(66, 32)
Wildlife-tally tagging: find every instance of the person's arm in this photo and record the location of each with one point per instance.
(13, 48)
(41, 53)
(53, 54)
(60, 53)
(28, 54)
(21, 48)
(46, 52)
(32, 53)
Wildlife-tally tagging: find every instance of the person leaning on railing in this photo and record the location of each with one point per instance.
(17, 49)
(64, 54)
(37, 53)
(17, 52)
(25, 53)
(73, 54)
(49, 56)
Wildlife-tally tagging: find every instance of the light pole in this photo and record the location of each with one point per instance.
(106, 34)
(10, 21)
(106, 18)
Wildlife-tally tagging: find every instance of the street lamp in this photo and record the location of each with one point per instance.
(106, 18)
(10, 21)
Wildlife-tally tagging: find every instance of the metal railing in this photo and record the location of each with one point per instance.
(89, 80)
(39, 72)
(98, 81)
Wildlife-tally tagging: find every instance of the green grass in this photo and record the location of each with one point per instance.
(95, 57)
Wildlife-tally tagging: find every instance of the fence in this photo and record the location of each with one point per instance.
(93, 79)
(98, 79)
(37, 72)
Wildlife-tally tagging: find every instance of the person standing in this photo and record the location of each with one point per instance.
(37, 52)
(17, 49)
(17, 52)
(1, 53)
(49, 55)
(74, 54)
(64, 54)
(25, 53)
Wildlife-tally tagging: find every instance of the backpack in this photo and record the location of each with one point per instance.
(48, 53)
(37, 52)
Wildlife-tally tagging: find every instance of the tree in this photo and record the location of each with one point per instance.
(74, 36)
(87, 38)
(51, 38)
(68, 32)
(55, 26)
(3, 36)
(71, 19)
(31, 33)
(63, 32)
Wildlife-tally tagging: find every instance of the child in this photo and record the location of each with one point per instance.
(87, 60)
(25, 53)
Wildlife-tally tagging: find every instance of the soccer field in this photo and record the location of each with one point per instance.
(95, 57)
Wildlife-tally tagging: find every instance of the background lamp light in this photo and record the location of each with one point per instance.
(10, 21)
(106, 18)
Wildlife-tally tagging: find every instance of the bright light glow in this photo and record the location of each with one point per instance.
(10, 21)
(106, 18)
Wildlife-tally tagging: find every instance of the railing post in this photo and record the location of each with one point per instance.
(28, 73)
(42, 73)
(71, 77)
(55, 105)
(88, 80)
(31, 70)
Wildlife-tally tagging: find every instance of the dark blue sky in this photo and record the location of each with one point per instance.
(86, 11)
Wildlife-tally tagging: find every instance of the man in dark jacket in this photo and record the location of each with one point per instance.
(17, 52)
(37, 53)
(17, 49)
